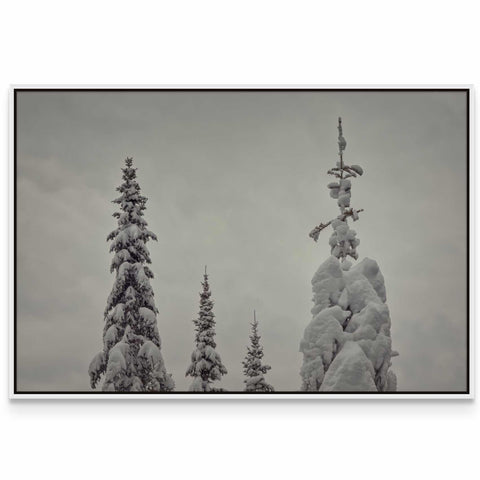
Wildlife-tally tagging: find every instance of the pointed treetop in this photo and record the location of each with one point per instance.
(342, 241)
(254, 324)
(205, 280)
(129, 161)
(255, 321)
(341, 140)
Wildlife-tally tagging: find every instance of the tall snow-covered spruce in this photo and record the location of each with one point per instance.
(252, 365)
(347, 346)
(206, 365)
(131, 360)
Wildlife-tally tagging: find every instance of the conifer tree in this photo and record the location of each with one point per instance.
(206, 365)
(347, 345)
(131, 360)
(252, 365)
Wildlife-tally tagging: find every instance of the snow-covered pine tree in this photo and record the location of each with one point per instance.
(131, 359)
(347, 346)
(206, 365)
(252, 365)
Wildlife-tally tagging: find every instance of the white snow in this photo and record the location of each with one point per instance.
(357, 168)
(110, 336)
(327, 283)
(252, 383)
(96, 367)
(347, 345)
(117, 363)
(151, 352)
(343, 241)
(147, 315)
(118, 312)
(197, 385)
(123, 269)
(142, 278)
(349, 372)
(369, 268)
(120, 257)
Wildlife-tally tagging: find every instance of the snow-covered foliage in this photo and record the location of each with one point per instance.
(343, 241)
(206, 365)
(131, 359)
(347, 345)
(252, 365)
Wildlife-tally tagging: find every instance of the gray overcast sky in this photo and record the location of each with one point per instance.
(236, 181)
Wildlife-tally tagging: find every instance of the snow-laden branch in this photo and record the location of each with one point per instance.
(343, 241)
(347, 213)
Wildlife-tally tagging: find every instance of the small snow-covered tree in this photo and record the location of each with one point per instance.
(252, 365)
(347, 346)
(131, 359)
(206, 365)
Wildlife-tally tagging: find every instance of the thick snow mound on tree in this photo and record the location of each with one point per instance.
(347, 345)
(370, 269)
(152, 368)
(150, 352)
(327, 283)
(351, 371)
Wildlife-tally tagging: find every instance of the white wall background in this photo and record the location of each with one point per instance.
(235, 42)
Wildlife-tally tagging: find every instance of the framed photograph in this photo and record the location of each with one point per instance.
(240, 242)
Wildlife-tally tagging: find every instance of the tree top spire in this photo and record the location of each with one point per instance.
(342, 241)
(341, 141)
